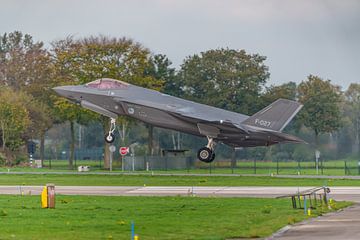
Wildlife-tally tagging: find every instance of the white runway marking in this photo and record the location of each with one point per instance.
(338, 193)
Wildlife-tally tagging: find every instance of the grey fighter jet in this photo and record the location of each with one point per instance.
(112, 98)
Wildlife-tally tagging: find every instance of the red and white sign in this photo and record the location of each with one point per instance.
(124, 150)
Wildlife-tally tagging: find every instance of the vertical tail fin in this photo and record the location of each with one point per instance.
(274, 117)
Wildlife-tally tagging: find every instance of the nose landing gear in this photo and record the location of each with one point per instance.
(110, 137)
(206, 154)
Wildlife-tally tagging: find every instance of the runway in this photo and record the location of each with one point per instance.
(338, 193)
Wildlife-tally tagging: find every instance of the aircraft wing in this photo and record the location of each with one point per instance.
(211, 116)
(225, 128)
(214, 128)
(232, 128)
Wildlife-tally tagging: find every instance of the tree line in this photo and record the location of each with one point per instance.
(226, 78)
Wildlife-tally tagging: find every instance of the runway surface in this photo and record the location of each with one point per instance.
(338, 193)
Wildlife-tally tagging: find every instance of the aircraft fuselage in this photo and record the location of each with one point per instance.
(151, 107)
(115, 98)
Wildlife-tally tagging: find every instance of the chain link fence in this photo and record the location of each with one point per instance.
(189, 164)
(157, 163)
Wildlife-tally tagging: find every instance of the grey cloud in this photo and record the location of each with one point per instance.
(299, 37)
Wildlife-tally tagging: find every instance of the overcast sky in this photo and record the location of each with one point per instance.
(298, 37)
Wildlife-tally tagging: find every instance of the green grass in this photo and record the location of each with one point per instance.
(149, 180)
(94, 217)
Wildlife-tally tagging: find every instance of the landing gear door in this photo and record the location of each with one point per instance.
(208, 130)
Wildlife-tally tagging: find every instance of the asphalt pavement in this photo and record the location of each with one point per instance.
(338, 193)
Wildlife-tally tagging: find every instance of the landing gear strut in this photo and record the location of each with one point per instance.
(110, 137)
(206, 154)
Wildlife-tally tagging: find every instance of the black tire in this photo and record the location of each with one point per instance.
(205, 155)
(109, 138)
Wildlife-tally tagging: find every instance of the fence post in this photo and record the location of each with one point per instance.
(255, 165)
(122, 163)
(233, 161)
(146, 166)
(345, 168)
(166, 162)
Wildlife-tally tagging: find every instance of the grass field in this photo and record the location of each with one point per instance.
(149, 180)
(85, 217)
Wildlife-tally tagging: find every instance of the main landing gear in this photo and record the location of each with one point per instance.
(110, 137)
(207, 154)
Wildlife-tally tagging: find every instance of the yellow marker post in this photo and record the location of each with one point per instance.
(309, 211)
(44, 198)
(136, 237)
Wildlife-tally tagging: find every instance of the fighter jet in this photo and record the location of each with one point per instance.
(113, 98)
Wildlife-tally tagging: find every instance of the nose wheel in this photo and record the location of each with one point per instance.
(110, 137)
(206, 154)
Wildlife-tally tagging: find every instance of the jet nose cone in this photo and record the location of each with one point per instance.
(65, 91)
(59, 90)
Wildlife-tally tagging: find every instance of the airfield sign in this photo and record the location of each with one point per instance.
(124, 150)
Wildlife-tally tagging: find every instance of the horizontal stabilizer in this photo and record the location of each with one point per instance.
(285, 138)
(274, 117)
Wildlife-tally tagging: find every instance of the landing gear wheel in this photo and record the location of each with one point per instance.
(205, 155)
(109, 138)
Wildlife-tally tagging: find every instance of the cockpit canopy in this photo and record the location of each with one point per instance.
(107, 84)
